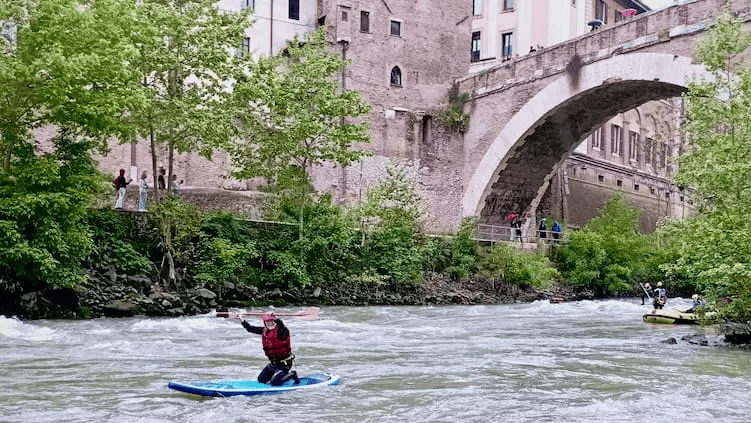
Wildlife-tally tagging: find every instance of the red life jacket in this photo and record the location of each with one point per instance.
(274, 348)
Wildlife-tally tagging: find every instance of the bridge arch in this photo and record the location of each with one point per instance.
(514, 171)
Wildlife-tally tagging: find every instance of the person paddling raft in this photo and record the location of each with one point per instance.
(277, 344)
(660, 296)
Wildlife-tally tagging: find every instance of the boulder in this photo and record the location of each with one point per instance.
(120, 308)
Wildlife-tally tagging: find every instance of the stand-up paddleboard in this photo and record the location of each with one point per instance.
(228, 388)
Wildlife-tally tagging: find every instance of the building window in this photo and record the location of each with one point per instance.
(507, 48)
(616, 140)
(396, 76)
(633, 145)
(249, 4)
(476, 46)
(364, 21)
(345, 16)
(601, 11)
(427, 127)
(600, 178)
(636, 187)
(648, 151)
(664, 153)
(619, 183)
(597, 138)
(294, 10)
(396, 28)
(508, 4)
(322, 21)
(245, 49)
(477, 7)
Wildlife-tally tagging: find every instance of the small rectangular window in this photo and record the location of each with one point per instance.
(344, 16)
(601, 11)
(396, 28)
(475, 46)
(600, 178)
(648, 151)
(619, 183)
(507, 47)
(636, 187)
(633, 145)
(364, 21)
(477, 7)
(427, 127)
(597, 138)
(508, 4)
(616, 140)
(245, 50)
(294, 10)
(664, 154)
(322, 21)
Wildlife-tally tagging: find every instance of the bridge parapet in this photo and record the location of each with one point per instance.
(639, 32)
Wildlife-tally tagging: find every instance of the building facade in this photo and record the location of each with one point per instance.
(406, 56)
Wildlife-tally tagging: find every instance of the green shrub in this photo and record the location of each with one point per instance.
(607, 254)
(118, 242)
(43, 201)
(506, 263)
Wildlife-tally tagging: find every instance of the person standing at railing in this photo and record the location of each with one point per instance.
(517, 230)
(556, 231)
(543, 229)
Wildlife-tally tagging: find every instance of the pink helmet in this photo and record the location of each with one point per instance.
(269, 316)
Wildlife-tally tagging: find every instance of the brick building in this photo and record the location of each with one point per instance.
(406, 57)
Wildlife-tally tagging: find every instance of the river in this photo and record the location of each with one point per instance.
(588, 361)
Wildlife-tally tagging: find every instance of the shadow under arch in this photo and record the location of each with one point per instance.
(514, 172)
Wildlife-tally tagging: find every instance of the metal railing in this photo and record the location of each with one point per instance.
(494, 233)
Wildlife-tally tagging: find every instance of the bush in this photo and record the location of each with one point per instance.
(43, 201)
(607, 254)
(506, 263)
(118, 242)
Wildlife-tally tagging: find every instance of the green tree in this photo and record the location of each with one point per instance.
(292, 112)
(186, 65)
(716, 247)
(389, 218)
(63, 62)
(42, 206)
(604, 255)
(177, 224)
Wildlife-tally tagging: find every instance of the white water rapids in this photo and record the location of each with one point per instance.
(589, 361)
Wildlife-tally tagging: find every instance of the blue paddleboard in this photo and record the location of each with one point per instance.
(228, 388)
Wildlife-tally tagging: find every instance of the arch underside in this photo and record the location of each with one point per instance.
(522, 179)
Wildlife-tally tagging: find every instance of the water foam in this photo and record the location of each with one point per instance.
(16, 329)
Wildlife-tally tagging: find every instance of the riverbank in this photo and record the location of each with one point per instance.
(110, 294)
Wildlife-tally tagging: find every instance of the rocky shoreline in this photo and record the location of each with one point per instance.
(110, 294)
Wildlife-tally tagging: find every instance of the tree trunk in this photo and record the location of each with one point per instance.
(153, 163)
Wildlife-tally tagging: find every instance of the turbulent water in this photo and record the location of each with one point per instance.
(590, 361)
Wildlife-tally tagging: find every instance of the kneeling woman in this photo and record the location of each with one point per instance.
(278, 348)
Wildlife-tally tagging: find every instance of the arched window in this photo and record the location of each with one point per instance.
(396, 76)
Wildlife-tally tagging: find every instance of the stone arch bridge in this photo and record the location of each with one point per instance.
(528, 114)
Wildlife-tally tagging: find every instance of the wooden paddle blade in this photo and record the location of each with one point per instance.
(310, 313)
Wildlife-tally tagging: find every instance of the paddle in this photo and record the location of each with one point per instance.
(645, 291)
(310, 313)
